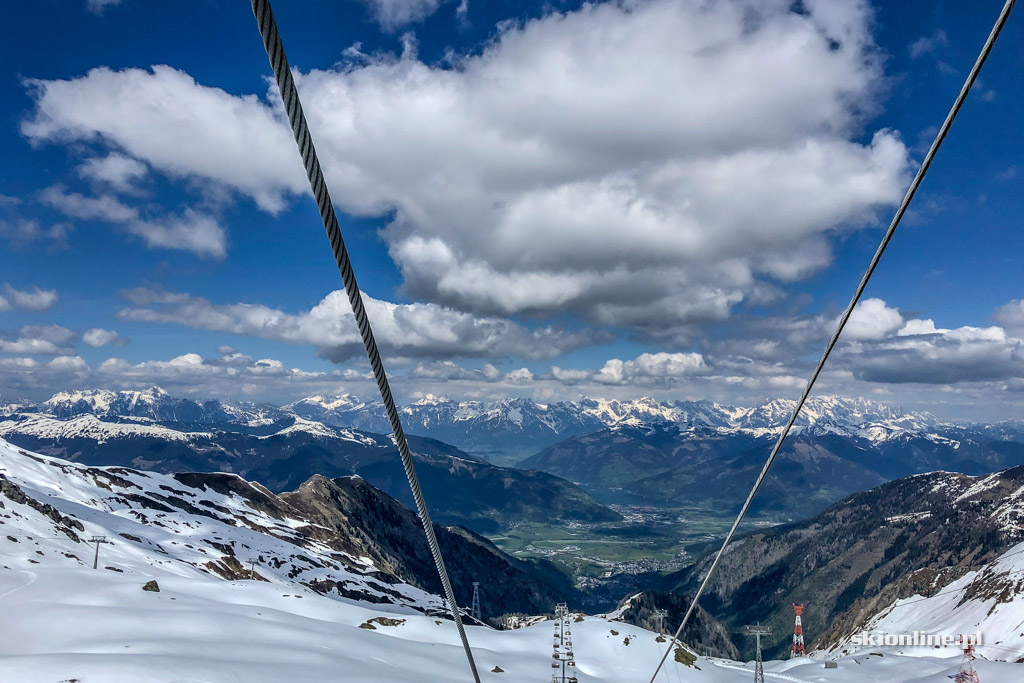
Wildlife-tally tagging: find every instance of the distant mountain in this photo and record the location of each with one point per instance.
(281, 455)
(12, 406)
(340, 537)
(915, 535)
(522, 426)
(674, 464)
(613, 458)
(157, 405)
(509, 427)
(772, 415)
(664, 453)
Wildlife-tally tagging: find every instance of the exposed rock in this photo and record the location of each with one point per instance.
(702, 631)
(229, 568)
(65, 524)
(151, 586)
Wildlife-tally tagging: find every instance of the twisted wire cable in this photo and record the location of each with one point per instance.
(911, 191)
(290, 97)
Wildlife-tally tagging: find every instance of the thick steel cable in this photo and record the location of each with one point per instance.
(911, 191)
(290, 97)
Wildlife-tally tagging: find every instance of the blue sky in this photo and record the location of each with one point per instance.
(620, 199)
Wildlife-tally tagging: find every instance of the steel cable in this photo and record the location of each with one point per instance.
(911, 191)
(290, 97)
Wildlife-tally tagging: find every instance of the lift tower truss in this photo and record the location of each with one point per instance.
(967, 674)
(757, 631)
(475, 609)
(798, 632)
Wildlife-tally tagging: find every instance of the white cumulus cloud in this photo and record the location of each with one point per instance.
(97, 337)
(114, 170)
(404, 330)
(39, 340)
(641, 164)
(872, 319)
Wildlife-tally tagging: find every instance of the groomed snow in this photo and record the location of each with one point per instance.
(97, 626)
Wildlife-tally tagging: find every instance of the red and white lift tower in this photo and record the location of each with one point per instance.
(798, 632)
(967, 674)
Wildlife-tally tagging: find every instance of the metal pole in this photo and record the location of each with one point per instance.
(660, 614)
(561, 622)
(96, 558)
(758, 631)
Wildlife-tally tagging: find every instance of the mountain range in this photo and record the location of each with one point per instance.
(282, 450)
(666, 454)
(505, 427)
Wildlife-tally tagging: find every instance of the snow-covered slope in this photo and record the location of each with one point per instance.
(155, 404)
(88, 426)
(184, 525)
(341, 536)
(210, 623)
(989, 601)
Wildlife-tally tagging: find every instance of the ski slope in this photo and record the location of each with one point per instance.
(61, 624)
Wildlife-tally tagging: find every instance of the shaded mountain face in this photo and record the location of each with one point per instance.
(913, 535)
(341, 537)
(614, 458)
(702, 633)
(684, 465)
(282, 454)
(810, 473)
(391, 534)
(485, 497)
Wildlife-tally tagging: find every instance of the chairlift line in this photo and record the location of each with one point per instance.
(900, 211)
(304, 140)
